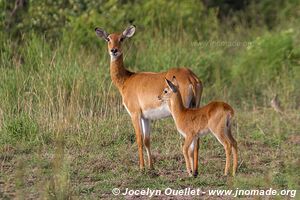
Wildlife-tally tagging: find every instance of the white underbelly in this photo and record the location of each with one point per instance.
(157, 113)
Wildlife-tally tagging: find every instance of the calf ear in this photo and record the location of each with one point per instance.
(171, 86)
(102, 34)
(174, 81)
(129, 31)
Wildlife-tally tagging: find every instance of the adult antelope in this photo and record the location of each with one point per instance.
(192, 123)
(139, 91)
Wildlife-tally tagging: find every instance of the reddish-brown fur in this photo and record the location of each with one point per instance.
(139, 90)
(214, 117)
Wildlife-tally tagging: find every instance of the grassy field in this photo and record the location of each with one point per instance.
(65, 134)
(87, 160)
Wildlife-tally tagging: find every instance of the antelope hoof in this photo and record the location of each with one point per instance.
(142, 168)
(195, 174)
(151, 167)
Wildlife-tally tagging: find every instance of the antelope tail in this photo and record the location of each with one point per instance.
(197, 88)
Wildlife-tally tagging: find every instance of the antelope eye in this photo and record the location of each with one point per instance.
(165, 91)
(121, 39)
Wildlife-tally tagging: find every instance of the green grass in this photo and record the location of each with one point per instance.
(65, 134)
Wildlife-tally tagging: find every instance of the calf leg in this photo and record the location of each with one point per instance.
(185, 148)
(220, 135)
(196, 150)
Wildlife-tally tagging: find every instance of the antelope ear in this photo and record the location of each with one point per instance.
(174, 81)
(171, 86)
(102, 34)
(129, 31)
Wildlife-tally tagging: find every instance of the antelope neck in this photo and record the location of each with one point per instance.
(118, 72)
(177, 106)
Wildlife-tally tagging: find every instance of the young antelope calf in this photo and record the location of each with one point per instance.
(191, 123)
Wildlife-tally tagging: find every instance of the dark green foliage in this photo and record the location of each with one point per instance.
(267, 66)
(194, 17)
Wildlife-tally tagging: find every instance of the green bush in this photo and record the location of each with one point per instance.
(266, 67)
